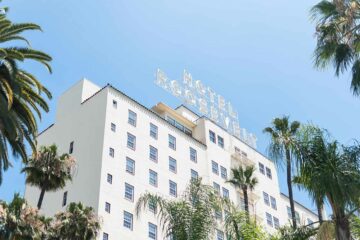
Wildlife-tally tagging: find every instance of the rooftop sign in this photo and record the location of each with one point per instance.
(214, 106)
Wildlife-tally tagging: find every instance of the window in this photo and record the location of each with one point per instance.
(153, 131)
(212, 136)
(111, 152)
(216, 187)
(269, 219)
(225, 192)
(114, 104)
(242, 203)
(152, 207)
(237, 150)
(64, 201)
(289, 212)
(297, 217)
(107, 207)
(193, 155)
(130, 165)
(178, 125)
(266, 198)
(128, 220)
(310, 223)
(153, 178)
(71, 148)
(172, 188)
(113, 127)
(276, 223)
(172, 142)
(262, 168)
(194, 174)
(215, 167)
(131, 141)
(109, 178)
(273, 202)
(221, 142)
(223, 172)
(105, 236)
(132, 118)
(153, 153)
(152, 231)
(218, 214)
(219, 235)
(129, 192)
(268, 173)
(172, 165)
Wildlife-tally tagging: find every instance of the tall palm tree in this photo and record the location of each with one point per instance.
(21, 94)
(336, 169)
(189, 218)
(338, 35)
(243, 179)
(48, 171)
(76, 223)
(20, 221)
(282, 148)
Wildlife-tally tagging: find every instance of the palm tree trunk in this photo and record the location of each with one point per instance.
(246, 202)
(319, 207)
(41, 198)
(342, 228)
(289, 183)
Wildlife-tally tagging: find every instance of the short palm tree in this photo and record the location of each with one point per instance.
(48, 171)
(338, 37)
(282, 149)
(76, 223)
(243, 179)
(189, 218)
(21, 94)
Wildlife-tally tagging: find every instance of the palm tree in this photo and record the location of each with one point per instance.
(282, 148)
(21, 94)
(20, 221)
(189, 218)
(338, 35)
(336, 169)
(48, 171)
(76, 223)
(244, 180)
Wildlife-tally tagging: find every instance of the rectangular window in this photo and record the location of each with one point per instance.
(114, 104)
(242, 203)
(269, 219)
(172, 164)
(220, 235)
(237, 150)
(273, 202)
(105, 236)
(153, 178)
(130, 165)
(216, 187)
(71, 148)
(172, 142)
(268, 173)
(128, 220)
(129, 192)
(152, 231)
(113, 127)
(111, 152)
(153, 131)
(223, 172)
(212, 136)
(131, 141)
(152, 207)
(107, 207)
(297, 216)
(194, 174)
(289, 212)
(276, 223)
(193, 155)
(64, 201)
(109, 178)
(221, 142)
(215, 167)
(132, 118)
(172, 188)
(261, 168)
(310, 223)
(153, 153)
(218, 214)
(225, 193)
(266, 198)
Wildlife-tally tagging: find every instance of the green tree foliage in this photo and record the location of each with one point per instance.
(21, 93)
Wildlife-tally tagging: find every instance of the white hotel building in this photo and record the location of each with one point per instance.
(124, 149)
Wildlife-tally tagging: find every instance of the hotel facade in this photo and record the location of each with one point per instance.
(124, 149)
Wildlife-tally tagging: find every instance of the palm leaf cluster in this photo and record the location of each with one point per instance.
(338, 37)
(22, 96)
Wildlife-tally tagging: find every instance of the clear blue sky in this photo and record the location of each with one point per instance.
(256, 53)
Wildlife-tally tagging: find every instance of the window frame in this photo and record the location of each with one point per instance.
(171, 144)
(132, 118)
(172, 160)
(154, 134)
(132, 161)
(131, 136)
(154, 174)
(125, 221)
(132, 192)
(172, 183)
(212, 136)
